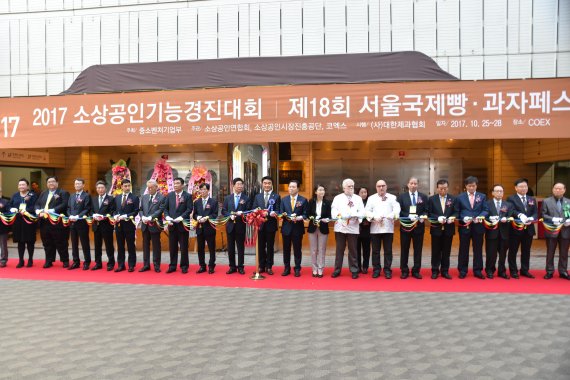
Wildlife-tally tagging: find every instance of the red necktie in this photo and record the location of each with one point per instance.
(177, 200)
(471, 199)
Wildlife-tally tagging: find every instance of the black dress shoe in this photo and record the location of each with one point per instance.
(119, 269)
(144, 269)
(171, 269)
(270, 271)
(131, 269)
(241, 271)
(66, 264)
(490, 275)
(548, 276)
(2, 265)
(564, 276)
(211, 270)
(527, 274)
(479, 276)
(404, 275)
(30, 263)
(286, 272)
(417, 275)
(335, 274)
(86, 266)
(376, 274)
(48, 265)
(75, 265)
(446, 275)
(110, 268)
(157, 269)
(261, 270)
(201, 270)
(231, 270)
(504, 275)
(354, 275)
(434, 275)
(97, 267)
(315, 275)
(184, 270)
(297, 273)
(320, 275)
(364, 270)
(515, 276)
(387, 275)
(462, 275)
(20, 264)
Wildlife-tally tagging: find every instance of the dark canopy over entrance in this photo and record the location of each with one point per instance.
(406, 66)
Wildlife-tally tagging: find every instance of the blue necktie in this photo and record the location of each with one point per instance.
(413, 199)
(236, 201)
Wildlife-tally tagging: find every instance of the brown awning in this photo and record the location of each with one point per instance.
(408, 66)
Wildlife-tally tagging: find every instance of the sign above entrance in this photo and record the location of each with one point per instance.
(501, 109)
(15, 155)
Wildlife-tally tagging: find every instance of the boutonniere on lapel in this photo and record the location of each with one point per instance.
(106, 202)
(530, 202)
(27, 198)
(503, 209)
(477, 199)
(79, 200)
(207, 206)
(241, 202)
(448, 203)
(384, 198)
(566, 209)
(420, 200)
(154, 201)
(298, 204)
(56, 196)
(129, 201)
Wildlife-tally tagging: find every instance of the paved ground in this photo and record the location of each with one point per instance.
(57, 330)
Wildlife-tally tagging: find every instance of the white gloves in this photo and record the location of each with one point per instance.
(557, 221)
(168, 219)
(504, 219)
(178, 220)
(232, 217)
(451, 219)
(299, 218)
(567, 223)
(13, 209)
(467, 219)
(494, 218)
(325, 220)
(413, 218)
(73, 218)
(523, 218)
(273, 214)
(441, 219)
(239, 213)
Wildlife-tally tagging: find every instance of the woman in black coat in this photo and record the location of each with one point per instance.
(319, 218)
(363, 243)
(24, 233)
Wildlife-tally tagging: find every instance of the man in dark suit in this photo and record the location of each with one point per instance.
(526, 210)
(270, 201)
(78, 208)
(126, 208)
(293, 228)
(178, 207)
(103, 209)
(151, 208)
(54, 237)
(556, 211)
(234, 206)
(470, 207)
(497, 240)
(413, 205)
(205, 208)
(440, 207)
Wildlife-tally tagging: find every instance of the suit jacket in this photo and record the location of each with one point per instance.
(549, 211)
(58, 201)
(463, 208)
(154, 210)
(107, 208)
(405, 201)
(4, 209)
(80, 207)
(325, 213)
(506, 211)
(290, 228)
(131, 208)
(229, 205)
(435, 211)
(272, 224)
(184, 208)
(211, 211)
(531, 210)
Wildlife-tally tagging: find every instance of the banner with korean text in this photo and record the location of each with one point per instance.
(503, 109)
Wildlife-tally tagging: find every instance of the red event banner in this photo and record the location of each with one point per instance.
(502, 109)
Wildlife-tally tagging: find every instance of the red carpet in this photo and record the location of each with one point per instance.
(306, 282)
